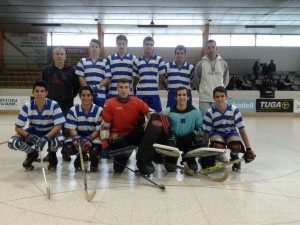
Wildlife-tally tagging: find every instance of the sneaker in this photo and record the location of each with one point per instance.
(222, 158)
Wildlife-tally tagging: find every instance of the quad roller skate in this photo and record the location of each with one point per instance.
(236, 167)
(31, 157)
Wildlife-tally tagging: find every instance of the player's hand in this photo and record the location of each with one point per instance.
(77, 141)
(249, 155)
(42, 141)
(32, 138)
(86, 143)
(104, 149)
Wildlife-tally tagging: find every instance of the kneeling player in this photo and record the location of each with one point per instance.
(220, 125)
(83, 122)
(45, 123)
(122, 125)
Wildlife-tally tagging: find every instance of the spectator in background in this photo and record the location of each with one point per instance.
(287, 84)
(256, 70)
(246, 85)
(271, 70)
(62, 84)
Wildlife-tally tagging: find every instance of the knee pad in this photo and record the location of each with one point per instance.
(117, 141)
(56, 142)
(18, 143)
(217, 144)
(235, 147)
(172, 140)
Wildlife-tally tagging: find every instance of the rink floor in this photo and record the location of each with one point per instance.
(266, 191)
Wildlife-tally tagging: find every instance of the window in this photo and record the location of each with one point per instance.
(290, 40)
(268, 40)
(221, 39)
(59, 39)
(242, 40)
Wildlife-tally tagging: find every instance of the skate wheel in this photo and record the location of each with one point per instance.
(233, 168)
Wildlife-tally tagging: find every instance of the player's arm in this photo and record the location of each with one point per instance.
(135, 82)
(104, 82)
(21, 131)
(54, 131)
(82, 82)
(245, 137)
(162, 82)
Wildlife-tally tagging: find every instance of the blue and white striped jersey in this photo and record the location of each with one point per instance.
(179, 77)
(84, 124)
(119, 68)
(226, 122)
(148, 73)
(41, 122)
(93, 73)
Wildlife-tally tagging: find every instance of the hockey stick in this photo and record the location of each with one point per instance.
(88, 196)
(137, 173)
(3, 142)
(220, 166)
(190, 172)
(43, 169)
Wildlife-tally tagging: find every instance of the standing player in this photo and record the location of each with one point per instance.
(122, 123)
(178, 73)
(212, 71)
(149, 70)
(223, 126)
(93, 71)
(83, 122)
(120, 65)
(62, 84)
(45, 123)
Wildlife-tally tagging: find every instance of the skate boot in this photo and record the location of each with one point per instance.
(192, 164)
(236, 166)
(31, 157)
(94, 166)
(121, 165)
(46, 158)
(66, 157)
(77, 164)
(170, 164)
(52, 161)
(145, 168)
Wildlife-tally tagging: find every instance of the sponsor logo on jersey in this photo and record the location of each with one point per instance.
(157, 123)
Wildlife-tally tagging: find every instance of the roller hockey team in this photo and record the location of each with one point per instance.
(120, 111)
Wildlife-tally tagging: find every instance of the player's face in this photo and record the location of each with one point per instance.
(86, 98)
(211, 50)
(123, 89)
(148, 47)
(94, 49)
(59, 56)
(182, 97)
(180, 56)
(122, 46)
(220, 98)
(39, 94)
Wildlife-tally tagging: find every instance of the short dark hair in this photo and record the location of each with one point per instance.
(124, 80)
(122, 37)
(211, 41)
(180, 89)
(148, 39)
(180, 48)
(40, 83)
(220, 89)
(86, 88)
(95, 41)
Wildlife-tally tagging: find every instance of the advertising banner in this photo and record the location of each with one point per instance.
(244, 105)
(12, 102)
(274, 105)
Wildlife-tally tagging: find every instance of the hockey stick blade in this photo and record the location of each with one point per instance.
(88, 196)
(188, 171)
(220, 166)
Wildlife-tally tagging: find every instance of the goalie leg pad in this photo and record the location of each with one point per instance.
(18, 143)
(235, 147)
(217, 144)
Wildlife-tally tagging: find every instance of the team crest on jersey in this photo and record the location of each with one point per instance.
(100, 67)
(230, 118)
(156, 123)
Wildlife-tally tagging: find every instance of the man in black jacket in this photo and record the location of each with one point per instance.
(63, 85)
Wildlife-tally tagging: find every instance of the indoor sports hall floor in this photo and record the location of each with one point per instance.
(266, 191)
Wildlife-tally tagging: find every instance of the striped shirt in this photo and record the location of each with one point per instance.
(148, 73)
(93, 73)
(84, 124)
(179, 76)
(119, 68)
(41, 122)
(226, 122)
